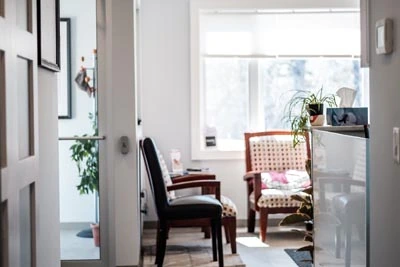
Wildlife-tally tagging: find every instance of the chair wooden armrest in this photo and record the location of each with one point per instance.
(253, 180)
(192, 177)
(215, 185)
(252, 175)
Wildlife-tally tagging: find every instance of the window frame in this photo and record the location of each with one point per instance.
(197, 99)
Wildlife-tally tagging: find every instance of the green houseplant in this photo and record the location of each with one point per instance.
(302, 105)
(85, 154)
(305, 213)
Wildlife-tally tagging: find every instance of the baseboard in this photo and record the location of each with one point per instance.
(239, 223)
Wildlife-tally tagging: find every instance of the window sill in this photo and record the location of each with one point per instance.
(214, 154)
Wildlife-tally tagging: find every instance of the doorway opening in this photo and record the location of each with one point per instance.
(78, 132)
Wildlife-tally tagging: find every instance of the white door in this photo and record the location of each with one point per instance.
(19, 132)
(107, 26)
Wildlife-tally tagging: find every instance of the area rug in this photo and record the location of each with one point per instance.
(299, 257)
(188, 256)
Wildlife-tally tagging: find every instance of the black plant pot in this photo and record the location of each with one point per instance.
(309, 225)
(315, 109)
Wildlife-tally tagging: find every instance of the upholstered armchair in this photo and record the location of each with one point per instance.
(275, 170)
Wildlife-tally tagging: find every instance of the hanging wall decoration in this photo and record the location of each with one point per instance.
(64, 76)
(48, 26)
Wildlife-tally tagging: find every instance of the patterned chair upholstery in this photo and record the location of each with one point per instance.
(274, 172)
(229, 209)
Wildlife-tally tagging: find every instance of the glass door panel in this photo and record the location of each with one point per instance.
(78, 132)
(340, 181)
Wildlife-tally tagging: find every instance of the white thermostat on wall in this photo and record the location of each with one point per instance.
(384, 36)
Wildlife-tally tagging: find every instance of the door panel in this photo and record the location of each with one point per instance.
(3, 136)
(2, 8)
(27, 224)
(19, 127)
(4, 234)
(25, 112)
(22, 14)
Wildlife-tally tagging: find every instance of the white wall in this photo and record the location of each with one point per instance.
(73, 206)
(385, 110)
(165, 87)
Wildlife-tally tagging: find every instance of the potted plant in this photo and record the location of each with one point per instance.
(85, 154)
(305, 213)
(306, 108)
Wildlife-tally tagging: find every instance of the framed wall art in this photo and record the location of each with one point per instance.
(48, 12)
(64, 76)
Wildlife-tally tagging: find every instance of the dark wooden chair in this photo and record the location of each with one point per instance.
(229, 209)
(197, 210)
(266, 152)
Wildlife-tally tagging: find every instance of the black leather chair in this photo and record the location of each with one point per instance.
(196, 210)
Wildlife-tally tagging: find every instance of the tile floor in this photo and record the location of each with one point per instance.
(77, 248)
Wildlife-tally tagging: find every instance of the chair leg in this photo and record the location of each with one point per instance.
(214, 239)
(251, 220)
(338, 241)
(157, 242)
(361, 231)
(206, 231)
(218, 225)
(227, 226)
(347, 256)
(230, 226)
(263, 223)
(167, 232)
(161, 244)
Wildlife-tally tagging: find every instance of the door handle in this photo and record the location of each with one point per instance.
(124, 145)
(73, 138)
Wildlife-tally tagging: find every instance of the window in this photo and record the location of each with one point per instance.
(247, 63)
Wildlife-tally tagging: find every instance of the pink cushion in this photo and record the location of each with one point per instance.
(287, 180)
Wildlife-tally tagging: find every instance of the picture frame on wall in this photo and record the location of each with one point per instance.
(48, 11)
(64, 76)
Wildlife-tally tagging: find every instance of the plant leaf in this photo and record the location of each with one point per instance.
(295, 218)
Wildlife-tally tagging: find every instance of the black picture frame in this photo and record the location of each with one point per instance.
(64, 76)
(48, 36)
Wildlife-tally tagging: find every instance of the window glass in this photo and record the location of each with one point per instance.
(280, 78)
(226, 105)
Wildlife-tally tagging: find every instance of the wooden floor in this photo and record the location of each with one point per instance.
(186, 247)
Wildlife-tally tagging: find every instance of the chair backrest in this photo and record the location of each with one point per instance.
(274, 151)
(155, 174)
(166, 176)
